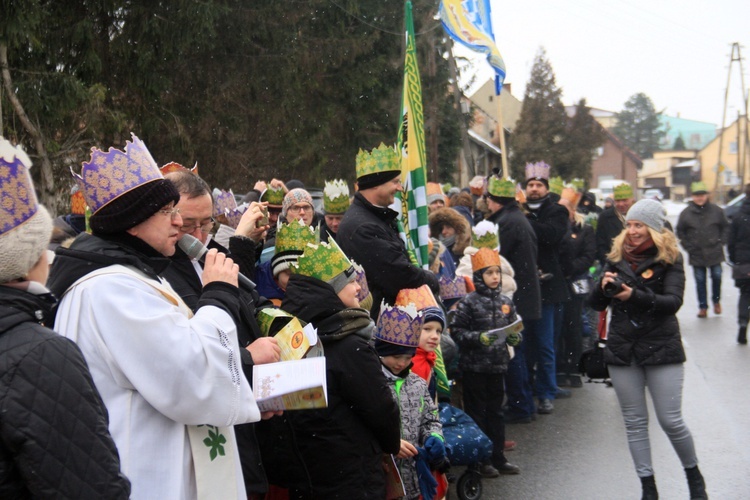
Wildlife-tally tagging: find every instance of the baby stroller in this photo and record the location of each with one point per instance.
(466, 445)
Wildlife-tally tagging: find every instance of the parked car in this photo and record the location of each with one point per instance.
(653, 194)
(731, 208)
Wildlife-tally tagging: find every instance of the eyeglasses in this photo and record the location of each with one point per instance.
(295, 209)
(173, 212)
(205, 227)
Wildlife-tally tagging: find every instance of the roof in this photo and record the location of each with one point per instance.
(484, 143)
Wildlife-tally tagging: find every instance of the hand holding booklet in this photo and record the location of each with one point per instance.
(291, 385)
(500, 335)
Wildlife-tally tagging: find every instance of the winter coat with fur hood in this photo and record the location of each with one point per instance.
(450, 217)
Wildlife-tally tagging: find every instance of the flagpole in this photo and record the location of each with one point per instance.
(503, 151)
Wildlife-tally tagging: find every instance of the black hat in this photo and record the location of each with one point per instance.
(134, 207)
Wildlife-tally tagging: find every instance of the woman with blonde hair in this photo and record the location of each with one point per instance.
(643, 282)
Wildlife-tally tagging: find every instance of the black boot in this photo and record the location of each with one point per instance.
(649, 488)
(696, 484)
(742, 336)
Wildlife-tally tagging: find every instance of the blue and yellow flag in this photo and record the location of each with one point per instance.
(411, 144)
(469, 22)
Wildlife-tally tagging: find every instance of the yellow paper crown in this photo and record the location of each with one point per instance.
(18, 201)
(502, 188)
(485, 235)
(698, 187)
(381, 159)
(400, 325)
(274, 196)
(421, 297)
(623, 191)
(556, 184)
(335, 197)
(485, 257)
(294, 235)
(324, 261)
(107, 176)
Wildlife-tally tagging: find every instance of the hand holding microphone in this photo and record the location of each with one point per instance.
(221, 267)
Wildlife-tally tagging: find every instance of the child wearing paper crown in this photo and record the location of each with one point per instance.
(483, 353)
(339, 449)
(422, 447)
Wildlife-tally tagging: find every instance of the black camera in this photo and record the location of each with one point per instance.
(613, 287)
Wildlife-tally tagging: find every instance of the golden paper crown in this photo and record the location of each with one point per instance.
(274, 196)
(294, 235)
(538, 170)
(224, 202)
(18, 202)
(502, 188)
(77, 201)
(578, 184)
(335, 197)
(176, 167)
(421, 297)
(324, 261)
(556, 184)
(400, 325)
(485, 257)
(485, 235)
(381, 159)
(107, 176)
(623, 191)
(452, 288)
(698, 187)
(570, 194)
(476, 185)
(270, 320)
(434, 188)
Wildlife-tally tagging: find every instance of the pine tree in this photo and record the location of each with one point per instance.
(541, 127)
(638, 125)
(679, 144)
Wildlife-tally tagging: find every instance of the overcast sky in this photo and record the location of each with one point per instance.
(675, 51)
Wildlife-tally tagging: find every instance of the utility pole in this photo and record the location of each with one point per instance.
(735, 56)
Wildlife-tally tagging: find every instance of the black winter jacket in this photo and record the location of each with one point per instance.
(550, 223)
(644, 329)
(336, 452)
(608, 226)
(518, 244)
(703, 232)
(738, 243)
(579, 251)
(481, 311)
(369, 235)
(54, 440)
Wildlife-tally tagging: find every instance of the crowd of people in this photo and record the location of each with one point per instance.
(128, 353)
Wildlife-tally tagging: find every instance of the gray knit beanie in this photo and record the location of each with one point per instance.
(650, 212)
(21, 247)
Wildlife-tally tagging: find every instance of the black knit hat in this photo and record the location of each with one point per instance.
(133, 207)
(373, 180)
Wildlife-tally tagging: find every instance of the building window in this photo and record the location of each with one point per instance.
(733, 148)
(491, 97)
(599, 151)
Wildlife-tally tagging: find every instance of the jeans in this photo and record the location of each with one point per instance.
(743, 308)
(570, 344)
(700, 285)
(664, 383)
(517, 387)
(539, 337)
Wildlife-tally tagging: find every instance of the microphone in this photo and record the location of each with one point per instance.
(194, 249)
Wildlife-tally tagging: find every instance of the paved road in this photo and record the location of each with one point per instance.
(580, 452)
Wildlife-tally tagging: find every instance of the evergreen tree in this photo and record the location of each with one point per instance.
(679, 144)
(541, 129)
(583, 136)
(638, 125)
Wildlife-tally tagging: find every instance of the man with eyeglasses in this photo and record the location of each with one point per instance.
(184, 274)
(171, 379)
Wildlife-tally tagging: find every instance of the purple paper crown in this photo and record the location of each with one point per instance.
(400, 325)
(538, 170)
(225, 202)
(109, 175)
(361, 279)
(452, 288)
(17, 197)
(234, 215)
